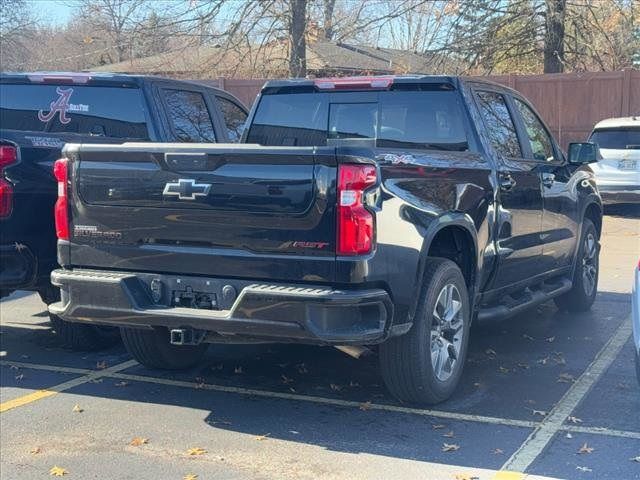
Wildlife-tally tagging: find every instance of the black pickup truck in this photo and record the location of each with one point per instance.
(39, 113)
(386, 211)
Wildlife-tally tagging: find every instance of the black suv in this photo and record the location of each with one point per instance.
(360, 211)
(40, 112)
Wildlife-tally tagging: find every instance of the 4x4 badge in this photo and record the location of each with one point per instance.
(186, 189)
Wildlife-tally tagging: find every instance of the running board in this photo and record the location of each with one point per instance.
(529, 298)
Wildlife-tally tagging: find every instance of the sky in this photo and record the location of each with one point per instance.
(56, 12)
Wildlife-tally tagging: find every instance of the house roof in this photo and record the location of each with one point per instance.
(272, 60)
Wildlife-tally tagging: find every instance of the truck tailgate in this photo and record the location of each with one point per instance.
(216, 210)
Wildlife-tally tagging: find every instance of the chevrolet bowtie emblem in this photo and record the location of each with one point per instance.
(186, 189)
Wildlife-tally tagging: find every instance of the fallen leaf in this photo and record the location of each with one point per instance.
(542, 413)
(295, 432)
(237, 370)
(574, 419)
(524, 366)
(568, 435)
(437, 426)
(353, 384)
(503, 370)
(20, 377)
(76, 408)
(545, 360)
(583, 469)
(199, 382)
(14, 367)
(302, 368)
(263, 437)
(190, 476)
(286, 380)
(449, 434)
(121, 384)
(586, 449)
(635, 459)
(334, 387)
(292, 390)
(101, 365)
(450, 447)
(491, 352)
(497, 451)
(196, 451)
(550, 339)
(35, 450)
(528, 337)
(365, 406)
(137, 441)
(57, 471)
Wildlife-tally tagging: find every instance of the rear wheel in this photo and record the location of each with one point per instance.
(78, 336)
(425, 364)
(585, 277)
(152, 349)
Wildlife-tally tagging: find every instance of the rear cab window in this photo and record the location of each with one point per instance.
(618, 138)
(432, 117)
(234, 118)
(114, 112)
(189, 116)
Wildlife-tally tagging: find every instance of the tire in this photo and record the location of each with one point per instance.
(406, 361)
(585, 277)
(152, 349)
(78, 336)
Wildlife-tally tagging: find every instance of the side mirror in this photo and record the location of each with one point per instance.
(581, 153)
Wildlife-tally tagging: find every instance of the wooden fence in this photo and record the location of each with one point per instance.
(570, 103)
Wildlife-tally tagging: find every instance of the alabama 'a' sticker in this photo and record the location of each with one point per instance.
(59, 106)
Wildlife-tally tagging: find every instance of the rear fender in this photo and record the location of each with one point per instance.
(456, 219)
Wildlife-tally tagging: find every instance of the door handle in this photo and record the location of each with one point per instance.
(548, 179)
(506, 182)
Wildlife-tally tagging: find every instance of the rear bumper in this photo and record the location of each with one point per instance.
(18, 267)
(248, 310)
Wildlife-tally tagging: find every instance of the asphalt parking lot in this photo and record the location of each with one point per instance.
(546, 394)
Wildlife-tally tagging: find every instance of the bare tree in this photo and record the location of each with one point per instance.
(554, 36)
(298, 45)
(16, 25)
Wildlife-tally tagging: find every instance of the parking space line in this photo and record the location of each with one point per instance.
(328, 401)
(49, 368)
(601, 431)
(41, 394)
(542, 435)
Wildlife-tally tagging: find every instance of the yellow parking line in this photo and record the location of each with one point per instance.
(20, 401)
(40, 394)
(505, 475)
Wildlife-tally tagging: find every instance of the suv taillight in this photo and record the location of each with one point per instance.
(8, 157)
(61, 210)
(355, 234)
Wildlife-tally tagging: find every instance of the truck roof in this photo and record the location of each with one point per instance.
(377, 82)
(618, 122)
(88, 78)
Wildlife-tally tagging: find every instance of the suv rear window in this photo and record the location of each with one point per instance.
(102, 111)
(394, 119)
(617, 138)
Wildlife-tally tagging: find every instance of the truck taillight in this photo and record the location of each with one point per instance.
(8, 157)
(355, 223)
(61, 210)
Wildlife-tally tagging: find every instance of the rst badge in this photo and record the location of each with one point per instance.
(186, 189)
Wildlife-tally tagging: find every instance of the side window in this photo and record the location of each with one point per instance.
(499, 124)
(539, 139)
(189, 116)
(234, 118)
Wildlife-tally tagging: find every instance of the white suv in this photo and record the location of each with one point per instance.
(618, 172)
